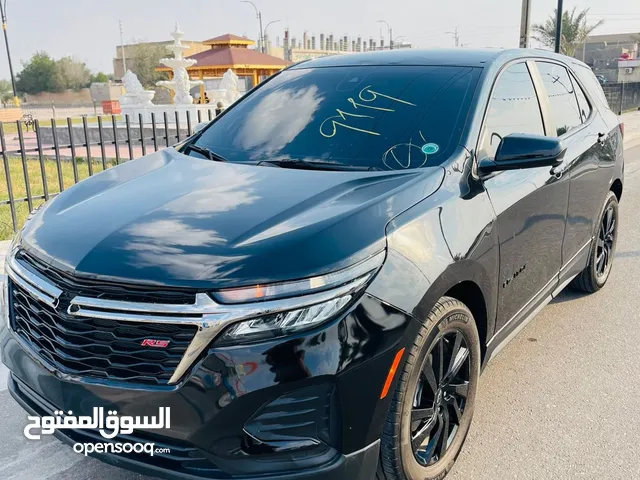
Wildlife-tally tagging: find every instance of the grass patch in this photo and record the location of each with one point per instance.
(16, 171)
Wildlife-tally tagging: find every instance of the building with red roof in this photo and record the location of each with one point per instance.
(232, 52)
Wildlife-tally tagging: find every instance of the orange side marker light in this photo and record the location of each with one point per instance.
(392, 373)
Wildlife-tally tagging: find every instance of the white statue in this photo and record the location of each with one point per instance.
(136, 94)
(181, 82)
(131, 82)
(229, 84)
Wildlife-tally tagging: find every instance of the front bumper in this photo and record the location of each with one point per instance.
(217, 412)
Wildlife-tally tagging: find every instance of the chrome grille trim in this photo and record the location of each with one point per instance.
(207, 315)
(36, 286)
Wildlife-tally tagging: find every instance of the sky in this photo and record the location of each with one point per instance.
(88, 29)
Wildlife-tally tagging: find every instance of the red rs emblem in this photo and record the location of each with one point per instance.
(150, 342)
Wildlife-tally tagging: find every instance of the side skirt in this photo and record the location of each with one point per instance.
(520, 320)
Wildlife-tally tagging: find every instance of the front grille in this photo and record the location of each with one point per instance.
(100, 348)
(101, 289)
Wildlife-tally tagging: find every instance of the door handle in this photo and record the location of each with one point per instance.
(602, 138)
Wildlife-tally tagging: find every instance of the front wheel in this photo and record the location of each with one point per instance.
(432, 407)
(597, 271)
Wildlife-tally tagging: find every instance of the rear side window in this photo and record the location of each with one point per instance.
(589, 80)
(513, 108)
(583, 103)
(562, 98)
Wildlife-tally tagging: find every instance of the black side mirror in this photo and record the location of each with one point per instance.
(518, 151)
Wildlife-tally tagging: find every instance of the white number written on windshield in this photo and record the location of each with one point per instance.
(329, 127)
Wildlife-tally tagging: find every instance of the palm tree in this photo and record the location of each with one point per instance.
(574, 30)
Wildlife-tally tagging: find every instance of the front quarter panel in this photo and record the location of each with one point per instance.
(446, 239)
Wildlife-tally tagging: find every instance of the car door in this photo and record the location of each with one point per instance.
(530, 204)
(583, 132)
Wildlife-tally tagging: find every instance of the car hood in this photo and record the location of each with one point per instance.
(174, 220)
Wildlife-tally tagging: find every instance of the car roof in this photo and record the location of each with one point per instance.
(445, 57)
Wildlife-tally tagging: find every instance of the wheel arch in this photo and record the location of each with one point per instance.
(616, 188)
(468, 282)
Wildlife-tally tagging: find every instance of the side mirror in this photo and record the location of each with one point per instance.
(199, 126)
(518, 151)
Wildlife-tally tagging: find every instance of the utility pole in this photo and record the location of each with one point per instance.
(124, 57)
(456, 36)
(525, 23)
(559, 26)
(3, 14)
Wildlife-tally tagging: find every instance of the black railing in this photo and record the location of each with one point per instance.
(622, 97)
(50, 156)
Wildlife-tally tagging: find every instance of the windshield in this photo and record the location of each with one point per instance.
(377, 117)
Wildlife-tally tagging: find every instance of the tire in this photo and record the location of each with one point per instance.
(594, 277)
(448, 321)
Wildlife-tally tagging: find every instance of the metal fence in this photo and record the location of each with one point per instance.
(42, 158)
(622, 97)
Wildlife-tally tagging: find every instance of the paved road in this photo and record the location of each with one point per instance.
(560, 401)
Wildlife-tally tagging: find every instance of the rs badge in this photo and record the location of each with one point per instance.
(150, 342)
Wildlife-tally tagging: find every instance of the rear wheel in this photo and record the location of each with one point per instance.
(432, 407)
(597, 271)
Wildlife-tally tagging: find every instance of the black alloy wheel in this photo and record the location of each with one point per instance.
(440, 397)
(603, 249)
(432, 406)
(606, 242)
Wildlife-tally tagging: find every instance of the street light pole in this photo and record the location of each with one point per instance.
(390, 33)
(3, 14)
(259, 15)
(265, 31)
(559, 26)
(124, 57)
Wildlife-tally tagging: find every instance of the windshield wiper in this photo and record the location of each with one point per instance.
(205, 152)
(316, 165)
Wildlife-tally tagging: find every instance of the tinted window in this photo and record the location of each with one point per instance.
(583, 103)
(589, 80)
(513, 108)
(562, 99)
(384, 117)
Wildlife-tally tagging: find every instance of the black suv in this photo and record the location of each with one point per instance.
(314, 281)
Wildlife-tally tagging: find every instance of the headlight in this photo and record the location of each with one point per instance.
(306, 286)
(281, 324)
(308, 302)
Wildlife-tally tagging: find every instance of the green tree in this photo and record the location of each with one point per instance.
(575, 30)
(144, 61)
(99, 77)
(38, 75)
(6, 92)
(71, 73)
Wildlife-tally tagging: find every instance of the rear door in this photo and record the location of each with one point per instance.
(530, 204)
(574, 118)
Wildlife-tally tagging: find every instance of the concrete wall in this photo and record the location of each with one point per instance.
(101, 92)
(68, 97)
(10, 114)
(624, 65)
